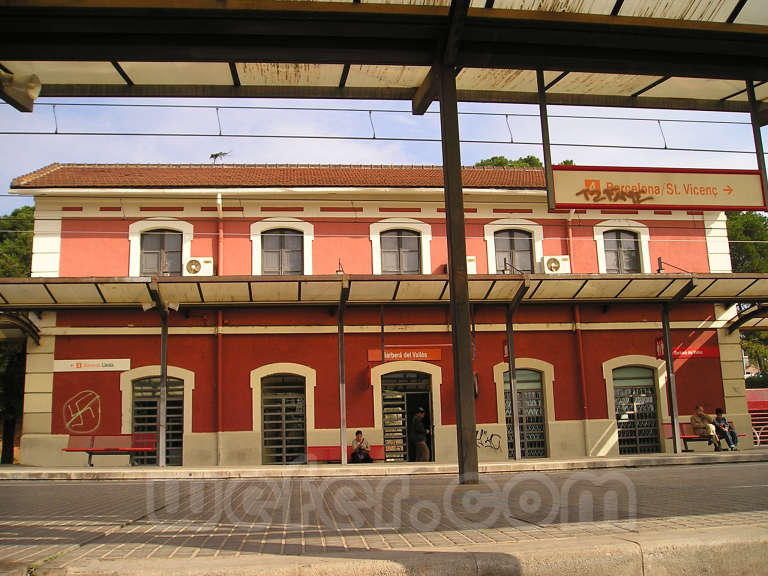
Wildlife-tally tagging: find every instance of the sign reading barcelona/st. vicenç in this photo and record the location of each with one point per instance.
(651, 188)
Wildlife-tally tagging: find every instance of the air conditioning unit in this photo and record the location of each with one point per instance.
(198, 266)
(557, 265)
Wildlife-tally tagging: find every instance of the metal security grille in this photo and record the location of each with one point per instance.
(530, 408)
(636, 416)
(283, 423)
(402, 393)
(146, 403)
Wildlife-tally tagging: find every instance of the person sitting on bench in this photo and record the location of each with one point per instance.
(361, 450)
(704, 425)
(725, 430)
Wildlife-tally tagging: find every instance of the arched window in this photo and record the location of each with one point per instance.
(622, 252)
(400, 252)
(161, 253)
(514, 251)
(282, 252)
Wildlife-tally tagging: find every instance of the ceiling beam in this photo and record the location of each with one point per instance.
(429, 89)
(388, 35)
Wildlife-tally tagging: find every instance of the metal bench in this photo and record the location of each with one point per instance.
(687, 434)
(112, 444)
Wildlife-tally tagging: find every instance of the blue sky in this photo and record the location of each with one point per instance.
(23, 152)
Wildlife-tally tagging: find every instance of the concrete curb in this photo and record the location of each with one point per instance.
(331, 470)
(737, 550)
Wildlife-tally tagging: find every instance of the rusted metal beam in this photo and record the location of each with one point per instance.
(464, 385)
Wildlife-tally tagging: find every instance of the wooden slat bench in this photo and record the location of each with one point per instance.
(687, 434)
(112, 444)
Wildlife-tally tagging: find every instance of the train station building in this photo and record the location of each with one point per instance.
(305, 302)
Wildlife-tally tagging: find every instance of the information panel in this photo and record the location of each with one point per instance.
(651, 188)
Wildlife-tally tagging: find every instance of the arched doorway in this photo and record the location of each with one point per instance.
(402, 394)
(146, 417)
(531, 414)
(637, 417)
(283, 419)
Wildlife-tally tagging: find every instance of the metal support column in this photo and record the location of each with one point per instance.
(545, 139)
(672, 390)
(754, 106)
(513, 382)
(162, 404)
(342, 375)
(457, 279)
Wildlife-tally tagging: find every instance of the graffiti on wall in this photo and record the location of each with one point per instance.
(487, 440)
(82, 412)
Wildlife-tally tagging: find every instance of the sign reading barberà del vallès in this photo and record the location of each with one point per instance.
(649, 188)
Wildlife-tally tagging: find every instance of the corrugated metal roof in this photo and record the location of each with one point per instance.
(253, 175)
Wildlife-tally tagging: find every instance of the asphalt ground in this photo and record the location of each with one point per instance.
(64, 525)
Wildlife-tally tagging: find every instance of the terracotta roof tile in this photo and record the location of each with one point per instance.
(267, 175)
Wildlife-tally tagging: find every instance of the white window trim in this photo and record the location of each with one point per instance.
(631, 226)
(547, 372)
(136, 229)
(425, 239)
(535, 230)
(127, 379)
(258, 228)
(310, 381)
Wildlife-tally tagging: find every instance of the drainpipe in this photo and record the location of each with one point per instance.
(163, 386)
(582, 375)
(219, 335)
(580, 345)
(342, 374)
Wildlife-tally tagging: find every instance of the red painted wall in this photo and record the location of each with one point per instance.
(94, 247)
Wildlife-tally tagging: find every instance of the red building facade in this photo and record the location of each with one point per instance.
(249, 261)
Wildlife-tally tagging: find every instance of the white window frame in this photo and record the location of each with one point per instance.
(535, 230)
(258, 228)
(425, 239)
(138, 228)
(630, 226)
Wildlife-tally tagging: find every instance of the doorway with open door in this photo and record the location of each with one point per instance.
(403, 393)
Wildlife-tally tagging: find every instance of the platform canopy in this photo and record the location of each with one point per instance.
(692, 54)
(216, 291)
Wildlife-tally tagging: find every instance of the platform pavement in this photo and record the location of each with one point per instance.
(688, 519)
(314, 470)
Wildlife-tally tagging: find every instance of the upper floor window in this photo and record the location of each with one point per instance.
(159, 246)
(622, 252)
(282, 252)
(518, 241)
(161, 253)
(622, 247)
(281, 246)
(514, 251)
(401, 246)
(400, 253)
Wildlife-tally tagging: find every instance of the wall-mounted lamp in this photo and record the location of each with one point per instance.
(340, 269)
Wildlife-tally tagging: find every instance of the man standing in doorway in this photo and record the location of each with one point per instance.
(419, 436)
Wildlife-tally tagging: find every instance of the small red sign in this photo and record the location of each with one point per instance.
(392, 354)
(697, 352)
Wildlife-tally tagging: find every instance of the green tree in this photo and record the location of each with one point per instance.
(748, 241)
(748, 238)
(16, 242)
(15, 261)
(567, 163)
(522, 162)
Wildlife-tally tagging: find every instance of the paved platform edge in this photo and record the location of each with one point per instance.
(324, 471)
(739, 550)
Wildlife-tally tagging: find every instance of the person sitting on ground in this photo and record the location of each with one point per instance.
(361, 450)
(725, 430)
(704, 425)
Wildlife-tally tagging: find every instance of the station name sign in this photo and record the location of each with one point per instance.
(391, 354)
(92, 365)
(653, 188)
